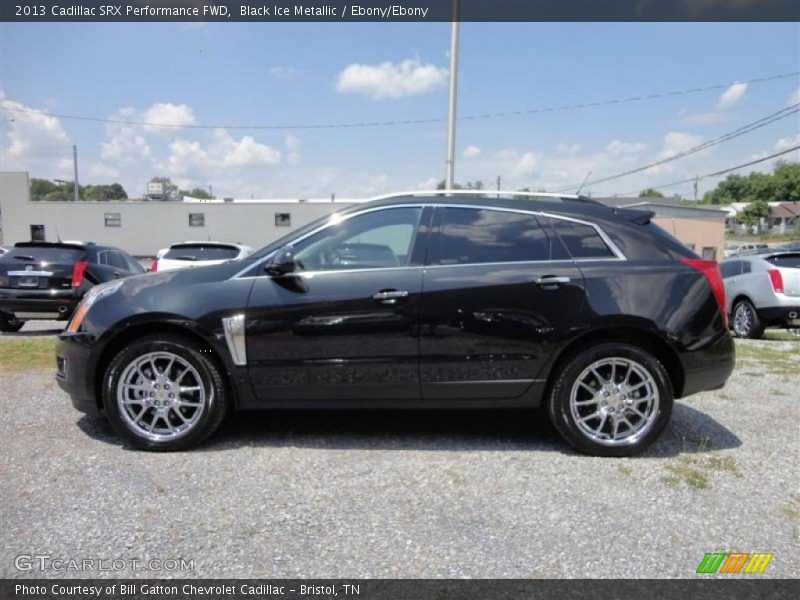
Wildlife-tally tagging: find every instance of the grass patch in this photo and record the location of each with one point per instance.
(696, 472)
(780, 335)
(778, 360)
(792, 508)
(684, 472)
(25, 354)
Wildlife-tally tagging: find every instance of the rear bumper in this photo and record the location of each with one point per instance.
(74, 371)
(785, 316)
(38, 304)
(711, 368)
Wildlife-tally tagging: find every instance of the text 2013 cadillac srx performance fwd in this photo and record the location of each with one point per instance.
(419, 300)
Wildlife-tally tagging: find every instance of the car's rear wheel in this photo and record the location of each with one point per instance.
(612, 399)
(163, 393)
(746, 323)
(9, 324)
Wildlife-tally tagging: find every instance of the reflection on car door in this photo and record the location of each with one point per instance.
(344, 326)
(498, 293)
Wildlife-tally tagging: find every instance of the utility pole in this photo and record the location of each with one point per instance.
(696, 179)
(498, 183)
(75, 165)
(449, 179)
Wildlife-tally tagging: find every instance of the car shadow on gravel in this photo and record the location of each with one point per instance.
(456, 430)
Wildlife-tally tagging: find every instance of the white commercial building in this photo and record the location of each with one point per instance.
(143, 227)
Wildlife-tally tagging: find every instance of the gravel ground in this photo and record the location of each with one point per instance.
(37, 329)
(414, 494)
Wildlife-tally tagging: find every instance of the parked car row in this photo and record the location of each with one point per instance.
(46, 280)
(415, 301)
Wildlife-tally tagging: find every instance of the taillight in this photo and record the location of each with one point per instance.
(776, 279)
(154, 266)
(78, 271)
(710, 269)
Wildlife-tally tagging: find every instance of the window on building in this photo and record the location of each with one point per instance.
(197, 220)
(283, 219)
(113, 219)
(37, 233)
(709, 252)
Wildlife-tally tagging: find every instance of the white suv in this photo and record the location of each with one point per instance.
(198, 254)
(762, 290)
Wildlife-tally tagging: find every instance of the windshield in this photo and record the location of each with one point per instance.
(194, 252)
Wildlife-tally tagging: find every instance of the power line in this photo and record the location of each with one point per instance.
(744, 129)
(408, 121)
(723, 172)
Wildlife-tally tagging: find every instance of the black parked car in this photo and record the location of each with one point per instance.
(45, 280)
(447, 301)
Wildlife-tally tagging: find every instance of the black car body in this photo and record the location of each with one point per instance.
(484, 302)
(46, 280)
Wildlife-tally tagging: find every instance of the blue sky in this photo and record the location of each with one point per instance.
(247, 74)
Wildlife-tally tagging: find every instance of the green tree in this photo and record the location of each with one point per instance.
(441, 185)
(197, 193)
(104, 192)
(752, 214)
(650, 193)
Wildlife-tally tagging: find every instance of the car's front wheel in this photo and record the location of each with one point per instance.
(746, 323)
(163, 393)
(9, 324)
(612, 399)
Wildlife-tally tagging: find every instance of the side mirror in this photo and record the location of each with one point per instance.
(282, 262)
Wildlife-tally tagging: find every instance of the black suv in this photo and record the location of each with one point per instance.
(45, 280)
(417, 301)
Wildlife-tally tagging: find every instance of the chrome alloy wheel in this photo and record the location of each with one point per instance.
(614, 401)
(743, 320)
(160, 396)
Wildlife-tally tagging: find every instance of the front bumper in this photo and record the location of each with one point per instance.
(74, 371)
(38, 304)
(783, 316)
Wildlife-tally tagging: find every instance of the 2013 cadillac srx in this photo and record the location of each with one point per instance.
(415, 301)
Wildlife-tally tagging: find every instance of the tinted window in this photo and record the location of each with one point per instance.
(201, 252)
(746, 267)
(582, 241)
(53, 254)
(730, 268)
(383, 238)
(132, 264)
(483, 236)
(785, 260)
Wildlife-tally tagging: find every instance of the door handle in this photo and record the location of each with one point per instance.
(389, 296)
(551, 280)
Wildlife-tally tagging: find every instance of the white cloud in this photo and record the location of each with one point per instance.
(284, 72)
(787, 142)
(36, 142)
(391, 80)
(168, 114)
(507, 154)
(189, 157)
(124, 142)
(569, 149)
(732, 96)
(527, 164)
(292, 143)
(428, 184)
(472, 152)
(794, 98)
(676, 142)
(618, 147)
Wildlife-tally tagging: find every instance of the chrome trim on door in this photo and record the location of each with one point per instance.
(235, 338)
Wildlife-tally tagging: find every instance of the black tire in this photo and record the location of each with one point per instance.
(560, 410)
(753, 329)
(9, 324)
(215, 403)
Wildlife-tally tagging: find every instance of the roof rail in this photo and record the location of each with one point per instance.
(570, 197)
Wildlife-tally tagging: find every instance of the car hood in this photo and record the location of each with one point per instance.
(199, 274)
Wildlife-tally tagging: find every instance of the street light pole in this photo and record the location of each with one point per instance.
(451, 117)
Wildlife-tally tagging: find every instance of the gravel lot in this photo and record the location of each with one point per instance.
(415, 494)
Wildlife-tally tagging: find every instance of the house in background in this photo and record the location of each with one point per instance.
(783, 218)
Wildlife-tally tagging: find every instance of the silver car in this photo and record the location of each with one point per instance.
(762, 291)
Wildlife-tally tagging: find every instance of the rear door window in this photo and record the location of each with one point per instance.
(474, 236)
(731, 268)
(790, 261)
(195, 252)
(582, 241)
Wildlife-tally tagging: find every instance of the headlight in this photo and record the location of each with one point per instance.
(92, 296)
